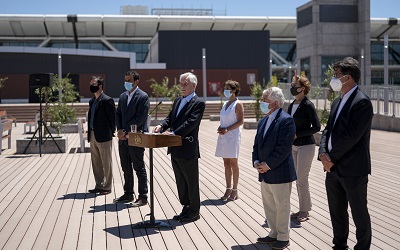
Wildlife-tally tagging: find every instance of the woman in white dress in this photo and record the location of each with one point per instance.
(228, 144)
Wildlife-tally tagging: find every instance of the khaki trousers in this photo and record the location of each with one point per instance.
(101, 154)
(303, 156)
(276, 201)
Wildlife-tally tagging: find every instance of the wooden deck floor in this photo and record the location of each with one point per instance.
(44, 202)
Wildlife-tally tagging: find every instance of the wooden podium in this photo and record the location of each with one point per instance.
(150, 141)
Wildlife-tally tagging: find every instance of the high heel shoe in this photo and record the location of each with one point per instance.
(228, 192)
(234, 195)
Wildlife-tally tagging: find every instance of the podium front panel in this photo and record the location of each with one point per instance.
(150, 140)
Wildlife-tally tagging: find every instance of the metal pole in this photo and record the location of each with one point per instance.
(204, 75)
(270, 70)
(386, 74)
(59, 74)
(362, 68)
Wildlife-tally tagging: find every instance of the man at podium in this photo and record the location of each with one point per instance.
(184, 120)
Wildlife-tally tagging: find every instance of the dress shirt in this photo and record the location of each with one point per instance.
(339, 109)
(130, 95)
(185, 100)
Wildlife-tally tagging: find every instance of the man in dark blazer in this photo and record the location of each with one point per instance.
(133, 108)
(345, 155)
(272, 157)
(184, 120)
(101, 120)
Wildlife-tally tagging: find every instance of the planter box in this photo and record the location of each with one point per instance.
(250, 124)
(214, 117)
(66, 128)
(48, 145)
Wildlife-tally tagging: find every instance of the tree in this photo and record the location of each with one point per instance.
(56, 102)
(257, 91)
(159, 90)
(2, 81)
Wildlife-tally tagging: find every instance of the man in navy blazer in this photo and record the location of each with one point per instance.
(272, 157)
(101, 120)
(133, 108)
(184, 120)
(345, 154)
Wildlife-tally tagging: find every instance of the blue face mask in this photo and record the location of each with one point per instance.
(128, 86)
(227, 93)
(264, 107)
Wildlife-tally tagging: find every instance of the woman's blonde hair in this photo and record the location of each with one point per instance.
(304, 82)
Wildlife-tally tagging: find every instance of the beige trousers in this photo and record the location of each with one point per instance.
(303, 157)
(101, 153)
(276, 201)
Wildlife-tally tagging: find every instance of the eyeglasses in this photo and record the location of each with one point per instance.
(336, 75)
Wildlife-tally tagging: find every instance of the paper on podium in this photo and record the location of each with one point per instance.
(153, 140)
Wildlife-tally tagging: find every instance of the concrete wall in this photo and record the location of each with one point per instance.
(338, 28)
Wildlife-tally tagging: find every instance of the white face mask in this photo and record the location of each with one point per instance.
(227, 93)
(336, 84)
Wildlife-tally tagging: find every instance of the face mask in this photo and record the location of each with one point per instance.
(336, 84)
(264, 107)
(227, 93)
(128, 86)
(293, 90)
(94, 89)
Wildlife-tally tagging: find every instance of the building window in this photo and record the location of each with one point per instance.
(20, 43)
(141, 48)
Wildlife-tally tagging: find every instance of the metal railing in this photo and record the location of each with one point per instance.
(385, 100)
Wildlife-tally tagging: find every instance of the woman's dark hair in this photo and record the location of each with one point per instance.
(234, 85)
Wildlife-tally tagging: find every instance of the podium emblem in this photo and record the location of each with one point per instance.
(138, 139)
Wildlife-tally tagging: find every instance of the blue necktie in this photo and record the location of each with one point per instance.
(181, 105)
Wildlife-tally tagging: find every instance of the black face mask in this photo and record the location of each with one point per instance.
(293, 90)
(94, 89)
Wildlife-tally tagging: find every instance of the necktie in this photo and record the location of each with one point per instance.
(266, 126)
(181, 105)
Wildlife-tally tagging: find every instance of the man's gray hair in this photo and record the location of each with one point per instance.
(190, 76)
(275, 94)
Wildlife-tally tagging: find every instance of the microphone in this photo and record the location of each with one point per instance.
(159, 103)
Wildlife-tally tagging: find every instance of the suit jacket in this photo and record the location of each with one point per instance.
(350, 136)
(134, 113)
(276, 149)
(104, 118)
(186, 124)
(307, 122)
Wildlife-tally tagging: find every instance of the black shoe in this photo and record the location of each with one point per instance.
(105, 192)
(185, 210)
(266, 240)
(189, 218)
(139, 202)
(125, 198)
(95, 191)
(280, 245)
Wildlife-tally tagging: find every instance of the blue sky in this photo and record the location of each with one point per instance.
(379, 8)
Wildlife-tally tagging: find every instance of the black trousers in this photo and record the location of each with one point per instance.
(132, 159)
(342, 191)
(187, 181)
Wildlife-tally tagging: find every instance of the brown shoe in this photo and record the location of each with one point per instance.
(105, 192)
(139, 202)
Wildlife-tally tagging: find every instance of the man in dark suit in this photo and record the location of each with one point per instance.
(101, 120)
(133, 107)
(272, 157)
(345, 155)
(184, 120)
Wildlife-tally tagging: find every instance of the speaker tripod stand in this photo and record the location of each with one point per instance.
(39, 130)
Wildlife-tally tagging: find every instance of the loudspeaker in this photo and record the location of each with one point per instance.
(41, 80)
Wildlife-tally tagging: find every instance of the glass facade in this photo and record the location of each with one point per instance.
(81, 45)
(377, 58)
(20, 43)
(286, 50)
(141, 48)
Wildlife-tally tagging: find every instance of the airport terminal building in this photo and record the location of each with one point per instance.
(170, 42)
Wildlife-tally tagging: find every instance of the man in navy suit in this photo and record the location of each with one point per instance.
(133, 108)
(272, 157)
(345, 155)
(101, 120)
(184, 120)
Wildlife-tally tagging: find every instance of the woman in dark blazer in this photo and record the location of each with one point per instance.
(303, 150)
